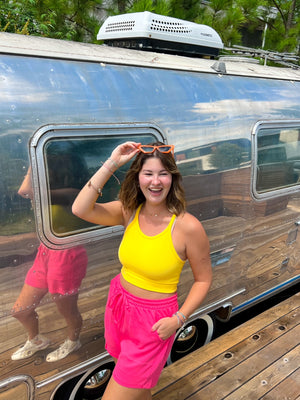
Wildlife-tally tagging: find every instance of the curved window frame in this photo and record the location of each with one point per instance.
(131, 132)
(280, 191)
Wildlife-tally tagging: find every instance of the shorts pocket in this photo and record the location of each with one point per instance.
(159, 339)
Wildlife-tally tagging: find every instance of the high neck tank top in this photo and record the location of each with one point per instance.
(150, 262)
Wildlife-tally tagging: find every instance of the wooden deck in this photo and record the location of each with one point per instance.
(257, 360)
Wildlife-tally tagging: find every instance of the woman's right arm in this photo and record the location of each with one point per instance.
(110, 213)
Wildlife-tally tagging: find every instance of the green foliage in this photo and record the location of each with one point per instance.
(225, 18)
(13, 18)
(185, 9)
(70, 20)
(284, 29)
(252, 12)
(232, 19)
(161, 7)
(142, 5)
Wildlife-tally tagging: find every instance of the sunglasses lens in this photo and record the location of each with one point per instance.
(147, 149)
(164, 149)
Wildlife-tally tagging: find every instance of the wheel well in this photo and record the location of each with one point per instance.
(64, 391)
(194, 335)
(92, 384)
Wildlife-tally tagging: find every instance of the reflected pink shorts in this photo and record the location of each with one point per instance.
(58, 271)
(140, 352)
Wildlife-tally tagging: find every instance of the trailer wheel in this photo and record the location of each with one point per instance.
(92, 386)
(195, 334)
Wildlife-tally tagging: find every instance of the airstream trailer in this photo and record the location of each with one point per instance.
(64, 106)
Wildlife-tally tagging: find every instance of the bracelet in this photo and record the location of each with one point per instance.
(179, 320)
(117, 179)
(98, 190)
(183, 316)
(113, 162)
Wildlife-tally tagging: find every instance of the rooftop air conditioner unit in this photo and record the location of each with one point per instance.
(148, 31)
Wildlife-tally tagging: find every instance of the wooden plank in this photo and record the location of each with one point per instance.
(228, 371)
(288, 389)
(284, 313)
(260, 384)
(243, 382)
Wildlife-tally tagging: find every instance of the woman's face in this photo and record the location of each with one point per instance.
(155, 181)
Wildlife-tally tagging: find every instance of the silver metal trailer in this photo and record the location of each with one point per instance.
(236, 131)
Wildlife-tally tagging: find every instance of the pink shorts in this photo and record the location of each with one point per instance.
(140, 352)
(58, 271)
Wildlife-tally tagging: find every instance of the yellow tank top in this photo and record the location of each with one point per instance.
(150, 262)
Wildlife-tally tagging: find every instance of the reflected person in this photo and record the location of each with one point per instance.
(59, 272)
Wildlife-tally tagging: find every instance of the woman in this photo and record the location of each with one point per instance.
(142, 315)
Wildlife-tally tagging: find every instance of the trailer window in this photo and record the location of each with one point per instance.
(66, 160)
(277, 158)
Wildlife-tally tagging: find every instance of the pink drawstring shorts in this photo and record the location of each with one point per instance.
(140, 352)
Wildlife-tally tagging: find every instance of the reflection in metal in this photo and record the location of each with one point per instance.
(277, 157)
(18, 380)
(267, 294)
(221, 303)
(98, 379)
(221, 256)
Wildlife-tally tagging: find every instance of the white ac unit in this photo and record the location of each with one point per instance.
(145, 30)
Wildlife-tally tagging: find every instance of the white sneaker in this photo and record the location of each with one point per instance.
(30, 347)
(65, 349)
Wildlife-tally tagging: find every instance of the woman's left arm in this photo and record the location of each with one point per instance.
(198, 255)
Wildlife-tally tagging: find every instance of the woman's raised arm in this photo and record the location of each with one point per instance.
(110, 213)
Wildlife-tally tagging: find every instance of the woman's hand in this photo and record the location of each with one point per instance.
(124, 153)
(166, 327)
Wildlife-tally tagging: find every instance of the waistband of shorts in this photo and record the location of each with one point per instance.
(149, 303)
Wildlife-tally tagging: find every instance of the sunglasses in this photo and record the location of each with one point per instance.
(148, 149)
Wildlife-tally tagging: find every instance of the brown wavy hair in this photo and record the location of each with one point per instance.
(131, 195)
